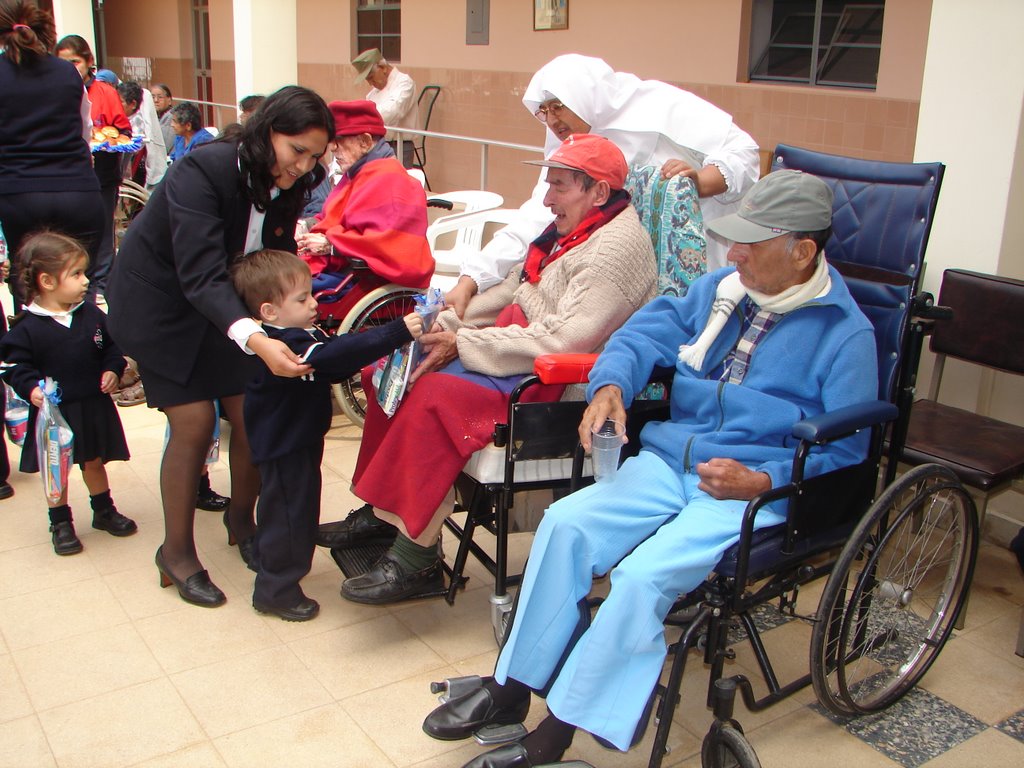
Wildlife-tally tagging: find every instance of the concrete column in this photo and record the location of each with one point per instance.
(266, 55)
(971, 118)
(74, 17)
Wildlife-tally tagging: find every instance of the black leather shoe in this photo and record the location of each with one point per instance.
(307, 608)
(460, 718)
(246, 547)
(6, 491)
(361, 527)
(65, 542)
(113, 522)
(389, 582)
(506, 756)
(196, 589)
(211, 501)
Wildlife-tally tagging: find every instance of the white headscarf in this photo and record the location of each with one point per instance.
(635, 114)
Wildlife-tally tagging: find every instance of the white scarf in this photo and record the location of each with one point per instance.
(731, 292)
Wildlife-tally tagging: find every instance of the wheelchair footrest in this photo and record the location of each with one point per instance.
(499, 734)
(358, 560)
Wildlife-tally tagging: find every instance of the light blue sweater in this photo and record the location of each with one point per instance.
(818, 357)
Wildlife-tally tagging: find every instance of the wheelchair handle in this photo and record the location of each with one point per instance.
(925, 308)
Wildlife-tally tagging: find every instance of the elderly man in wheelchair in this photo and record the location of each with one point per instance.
(755, 349)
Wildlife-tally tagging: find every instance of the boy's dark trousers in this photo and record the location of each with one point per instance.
(287, 517)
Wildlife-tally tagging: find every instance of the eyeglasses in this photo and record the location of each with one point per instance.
(552, 107)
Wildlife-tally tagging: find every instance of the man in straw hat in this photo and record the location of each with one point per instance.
(755, 348)
(394, 93)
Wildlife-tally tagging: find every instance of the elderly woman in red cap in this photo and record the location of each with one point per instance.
(377, 213)
(583, 277)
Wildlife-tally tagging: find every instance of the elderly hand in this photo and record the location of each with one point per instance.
(108, 382)
(728, 479)
(314, 242)
(675, 167)
(441, 347)
(458, 297)
(606, 404)
(278, 357)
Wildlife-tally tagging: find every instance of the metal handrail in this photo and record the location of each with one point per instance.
(485, 144)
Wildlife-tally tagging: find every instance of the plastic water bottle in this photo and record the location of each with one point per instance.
(3, 245)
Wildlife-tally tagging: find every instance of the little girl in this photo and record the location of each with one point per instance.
(60, 336)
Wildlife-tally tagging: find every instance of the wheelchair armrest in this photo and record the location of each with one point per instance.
(835, 424)
(565, 368)
(356, 263)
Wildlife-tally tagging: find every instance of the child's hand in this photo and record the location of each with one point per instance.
(415, 324)
(108, 382)
(36, 398)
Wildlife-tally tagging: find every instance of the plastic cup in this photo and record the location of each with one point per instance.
(606, 444)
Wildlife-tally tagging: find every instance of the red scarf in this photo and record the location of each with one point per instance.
(540, 255)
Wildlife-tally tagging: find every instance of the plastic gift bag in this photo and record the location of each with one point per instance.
(54, 443)
(391, 378)
(15, 416)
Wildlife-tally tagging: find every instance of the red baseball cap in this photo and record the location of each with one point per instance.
(594, 155)
(354, 117)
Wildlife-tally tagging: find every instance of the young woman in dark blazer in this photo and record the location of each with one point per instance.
(173, 308)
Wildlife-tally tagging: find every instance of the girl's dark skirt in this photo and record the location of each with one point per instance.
(97, 428)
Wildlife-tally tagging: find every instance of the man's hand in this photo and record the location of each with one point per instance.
(108, 382)
(606, 404)
(314, 242)
(278, 357)
(728, 479)
(441, 347)
(458, 297)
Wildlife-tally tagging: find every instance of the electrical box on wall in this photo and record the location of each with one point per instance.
(478, 22)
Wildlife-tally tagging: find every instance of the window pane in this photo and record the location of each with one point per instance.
(368, 23)
(850, 65)
(393, 22)
(392, 48)
(796, 28)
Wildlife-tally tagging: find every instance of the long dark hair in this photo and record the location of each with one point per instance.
(34, 36)
(291, 110)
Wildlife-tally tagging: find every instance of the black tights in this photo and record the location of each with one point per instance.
(191, 428)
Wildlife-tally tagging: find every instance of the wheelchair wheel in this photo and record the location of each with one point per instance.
(131, 199)
(896, 590)
(725, 746)
(379, 306)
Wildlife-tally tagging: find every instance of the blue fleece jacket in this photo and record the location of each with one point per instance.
(817, 358)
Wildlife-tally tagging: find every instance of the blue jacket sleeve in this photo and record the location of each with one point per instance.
(342, 356)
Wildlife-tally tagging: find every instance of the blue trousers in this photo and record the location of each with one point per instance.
(666, 535)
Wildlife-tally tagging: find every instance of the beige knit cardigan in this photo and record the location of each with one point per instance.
(581, 298)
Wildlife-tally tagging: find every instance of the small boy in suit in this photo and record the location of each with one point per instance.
(287, 418)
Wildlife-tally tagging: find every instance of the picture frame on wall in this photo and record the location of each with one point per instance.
(550, 14)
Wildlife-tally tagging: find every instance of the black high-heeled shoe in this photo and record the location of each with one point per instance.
(196, 589)
(246, 547)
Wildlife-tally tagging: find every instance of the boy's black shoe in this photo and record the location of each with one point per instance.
(65, 542)
(6, 490)
(305, 609)
(113, 522)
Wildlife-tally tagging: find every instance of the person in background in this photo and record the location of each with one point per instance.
(106, 112)
(163, 101)
(46, 176)
(141, 111)
(248, 105)
(394, 93)
(654, 123)
(187, 124)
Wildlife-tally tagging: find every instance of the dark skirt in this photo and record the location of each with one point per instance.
(221, 370)
(97, 428)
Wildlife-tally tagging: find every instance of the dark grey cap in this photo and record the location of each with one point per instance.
(780, 203)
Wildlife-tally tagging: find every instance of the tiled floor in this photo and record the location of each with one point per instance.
(101, 667)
